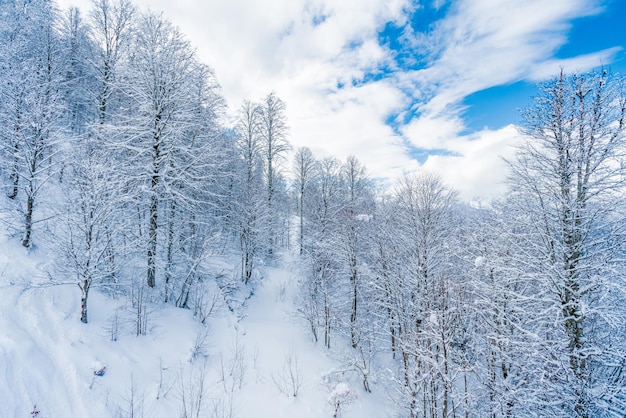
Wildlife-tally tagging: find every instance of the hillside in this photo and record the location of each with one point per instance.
(228, 367)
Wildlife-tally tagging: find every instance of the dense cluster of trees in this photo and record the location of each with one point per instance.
(113, 142)
(512, 310)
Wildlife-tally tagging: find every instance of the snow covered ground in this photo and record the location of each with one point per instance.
(250, 367)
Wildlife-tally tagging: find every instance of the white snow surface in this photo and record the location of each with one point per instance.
(48, 357)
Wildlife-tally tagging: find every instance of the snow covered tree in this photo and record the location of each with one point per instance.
(111, 23)
(352, 216)
(320, 283)
(417, 292)
(93, 218)
(192, 194)
(79, 81)
(491, 363)
(567, 195)
(32, 101)
(15, 52)
(94, 234)
(273, 132)
(303, 170)
(250, 203)
(159, 82)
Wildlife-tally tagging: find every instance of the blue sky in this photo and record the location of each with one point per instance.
(404, 86)
(498, 106)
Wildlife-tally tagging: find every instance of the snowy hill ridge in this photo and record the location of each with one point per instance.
(227, 368)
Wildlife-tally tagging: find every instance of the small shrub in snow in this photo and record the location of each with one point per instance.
(233, 370)
(163, 387)
(114, 326)
(134, 402)
(206, 299)
(193, 391)
(289, 380)
(232, 374)
(201, 344)
(340, 397)
(142, 298)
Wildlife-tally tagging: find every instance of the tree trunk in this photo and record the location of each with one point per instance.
(110, 255)
(326, 321)
(154, 203)
(15, 175)
(83, 300)
(353, 314)
(28, 222)
(152, 236)
(170, 249)
(301, 221)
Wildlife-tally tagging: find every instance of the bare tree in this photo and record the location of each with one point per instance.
(356, 184)
(320, 289)
(111, 22)
(79, 81)
(275, 145)
(251, 204)
(91, 214)
(303, 169)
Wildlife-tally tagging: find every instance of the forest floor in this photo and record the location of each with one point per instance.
(245, 364)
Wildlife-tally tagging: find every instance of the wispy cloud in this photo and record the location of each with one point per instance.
(481, 44)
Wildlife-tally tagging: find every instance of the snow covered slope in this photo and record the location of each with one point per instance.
(230, 368)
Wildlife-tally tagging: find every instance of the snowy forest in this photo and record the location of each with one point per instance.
(122, 171)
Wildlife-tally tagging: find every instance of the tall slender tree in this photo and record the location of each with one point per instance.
(303, 170)
(93, 218)
(250, 200)
(356, 185)
(273, 129)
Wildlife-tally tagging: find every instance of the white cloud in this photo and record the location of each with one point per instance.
(434, 131)
(479, 170)
(302, 50)
(550, 68)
